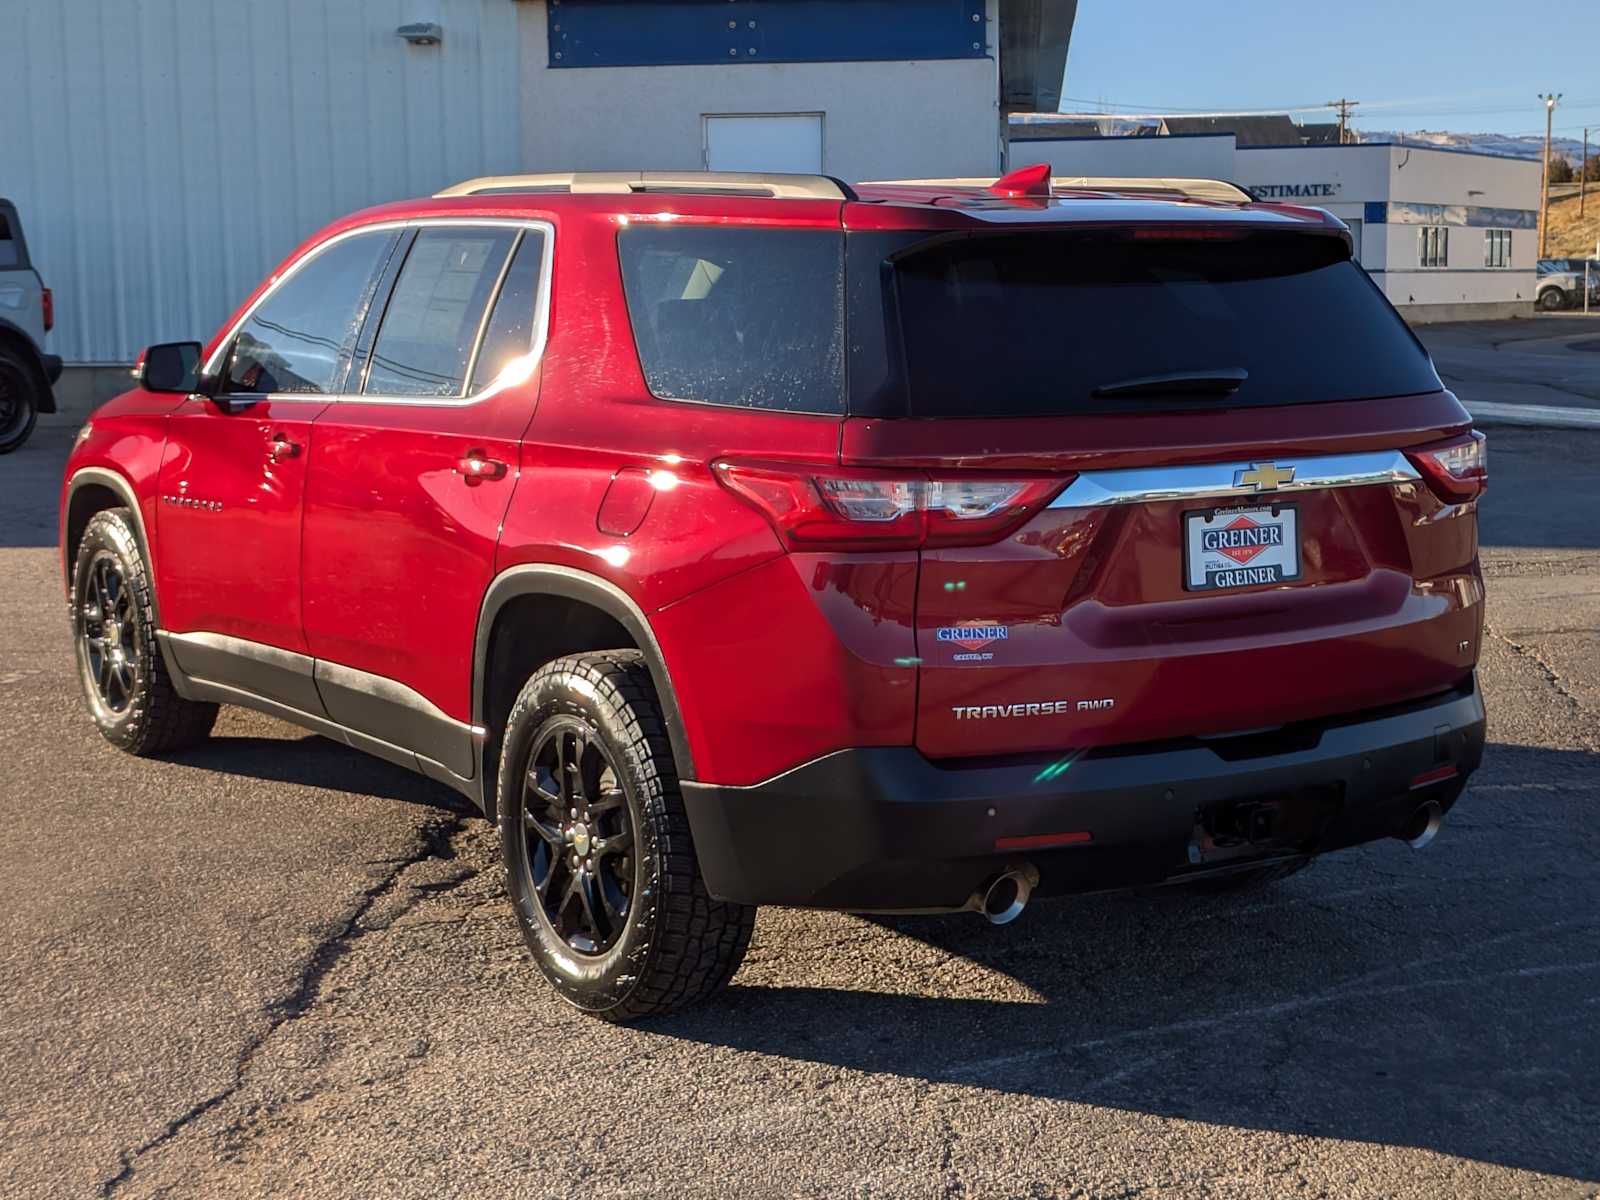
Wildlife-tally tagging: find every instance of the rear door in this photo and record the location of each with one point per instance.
(413, 470)
(1238, 540)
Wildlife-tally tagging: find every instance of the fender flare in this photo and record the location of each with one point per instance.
(119, 484)
(10, 332)
(542, 579)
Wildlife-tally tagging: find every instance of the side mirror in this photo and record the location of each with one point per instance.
(170, 367)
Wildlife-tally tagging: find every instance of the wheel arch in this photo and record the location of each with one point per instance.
(593, 614)
(92, 490)
(15, 337)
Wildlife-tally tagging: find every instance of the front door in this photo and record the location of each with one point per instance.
(411, 478)
(233, 478)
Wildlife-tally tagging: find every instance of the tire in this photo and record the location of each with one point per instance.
(1250, 879)
(633, 933)
(124, 678)
(1552, 299)
(19, 400)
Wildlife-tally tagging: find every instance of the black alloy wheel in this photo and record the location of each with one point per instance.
(19, 401)
(580, 857)
(107, 627)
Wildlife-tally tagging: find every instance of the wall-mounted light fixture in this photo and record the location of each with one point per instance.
(422, 33)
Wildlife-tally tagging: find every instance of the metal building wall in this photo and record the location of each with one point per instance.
(165, 154)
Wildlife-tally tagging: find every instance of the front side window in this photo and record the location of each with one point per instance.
(1433, 246)
(746, 317)
(436, 310)
(296, 340)
(1497, 247)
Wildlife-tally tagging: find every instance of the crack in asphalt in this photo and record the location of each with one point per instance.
(1550, 674)
(436, 841)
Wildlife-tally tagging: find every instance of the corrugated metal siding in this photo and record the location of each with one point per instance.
(166, 154)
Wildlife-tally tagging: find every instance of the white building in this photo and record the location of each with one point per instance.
(165, 156)
(1448, 234)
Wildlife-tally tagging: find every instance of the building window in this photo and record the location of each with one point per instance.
(1497, 247)
(1433, 246)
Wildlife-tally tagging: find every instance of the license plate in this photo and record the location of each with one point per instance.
(1240, 547)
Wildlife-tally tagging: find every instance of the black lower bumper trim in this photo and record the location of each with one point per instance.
(886, 828)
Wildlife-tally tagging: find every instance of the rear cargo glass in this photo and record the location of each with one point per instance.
(738, 316)
(1031, 325)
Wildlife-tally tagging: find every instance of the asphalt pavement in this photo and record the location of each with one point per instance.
(275, 967)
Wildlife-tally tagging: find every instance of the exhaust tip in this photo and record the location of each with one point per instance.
(1004, 899)
(1422, 826)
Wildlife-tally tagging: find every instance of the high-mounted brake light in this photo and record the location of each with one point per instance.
(817, 507)
(1183, 233)
(1457, 470)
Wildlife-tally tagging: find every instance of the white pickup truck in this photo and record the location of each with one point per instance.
(27, 312)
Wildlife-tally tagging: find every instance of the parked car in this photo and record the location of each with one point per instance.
(27, 313)
(738, 540)
(1561, 282)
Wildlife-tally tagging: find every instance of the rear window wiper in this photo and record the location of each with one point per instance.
(1220, 381)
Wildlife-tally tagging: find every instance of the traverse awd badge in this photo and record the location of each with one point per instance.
(972, 637)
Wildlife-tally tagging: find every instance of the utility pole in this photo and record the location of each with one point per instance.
(1583, 174)
(1551, 99)
(1345, 108)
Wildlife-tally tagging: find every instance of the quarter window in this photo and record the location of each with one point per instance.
(1433, 246)
(298, 338)
(436, 311)
(9, 257)
(1497, 247)
(747, 317)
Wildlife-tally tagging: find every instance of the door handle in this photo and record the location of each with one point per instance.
(477, 466)
(281, 448)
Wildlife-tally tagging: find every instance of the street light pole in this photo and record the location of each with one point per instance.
(1550, 101)
(1583, 174)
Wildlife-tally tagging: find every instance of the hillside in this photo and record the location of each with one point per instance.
(1486, 143)
(1571, 237)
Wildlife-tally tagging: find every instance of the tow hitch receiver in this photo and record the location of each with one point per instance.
(1244, 828)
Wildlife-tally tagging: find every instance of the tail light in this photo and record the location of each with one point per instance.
(1457, 470)
(47, 302)
(812, 507)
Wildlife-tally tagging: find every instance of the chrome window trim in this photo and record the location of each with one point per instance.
(541, 311)
(1142, 485)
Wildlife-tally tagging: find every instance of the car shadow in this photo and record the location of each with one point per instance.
(1442, 999)
(317, 761)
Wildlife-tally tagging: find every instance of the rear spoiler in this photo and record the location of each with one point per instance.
(1037, 181)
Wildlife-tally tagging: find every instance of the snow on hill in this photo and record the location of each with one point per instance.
(1488, 143)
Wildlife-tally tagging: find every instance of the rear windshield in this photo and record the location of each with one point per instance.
(738, 316)
(1035, 324)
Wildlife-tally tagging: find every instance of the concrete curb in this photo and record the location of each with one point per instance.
(1547, 416)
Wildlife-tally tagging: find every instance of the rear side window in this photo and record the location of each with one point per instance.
(435, 312)
(10, 253)
(297, 338)
(739, 316)
(509, 333)
(1033, 325)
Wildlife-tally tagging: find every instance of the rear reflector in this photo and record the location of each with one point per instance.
(1437, 775)
(1041, 841)
(1457, 470)
(813, 507)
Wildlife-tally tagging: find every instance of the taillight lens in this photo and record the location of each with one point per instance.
(48, 304)
(1457, 470)
(813, 508)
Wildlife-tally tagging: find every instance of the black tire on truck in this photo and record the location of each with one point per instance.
(599, 860)
(19, 400)
(124, 677)
(1552, 299)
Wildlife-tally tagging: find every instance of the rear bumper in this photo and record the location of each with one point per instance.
(888, 829)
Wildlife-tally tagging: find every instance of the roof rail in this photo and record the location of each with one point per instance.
(622, 183)
(1194, 189)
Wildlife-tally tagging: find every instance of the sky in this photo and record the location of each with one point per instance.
(1467, 66)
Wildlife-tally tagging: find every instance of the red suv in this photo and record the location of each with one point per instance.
(740, 540)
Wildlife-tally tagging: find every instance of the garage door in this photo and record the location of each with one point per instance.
(790, 142)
